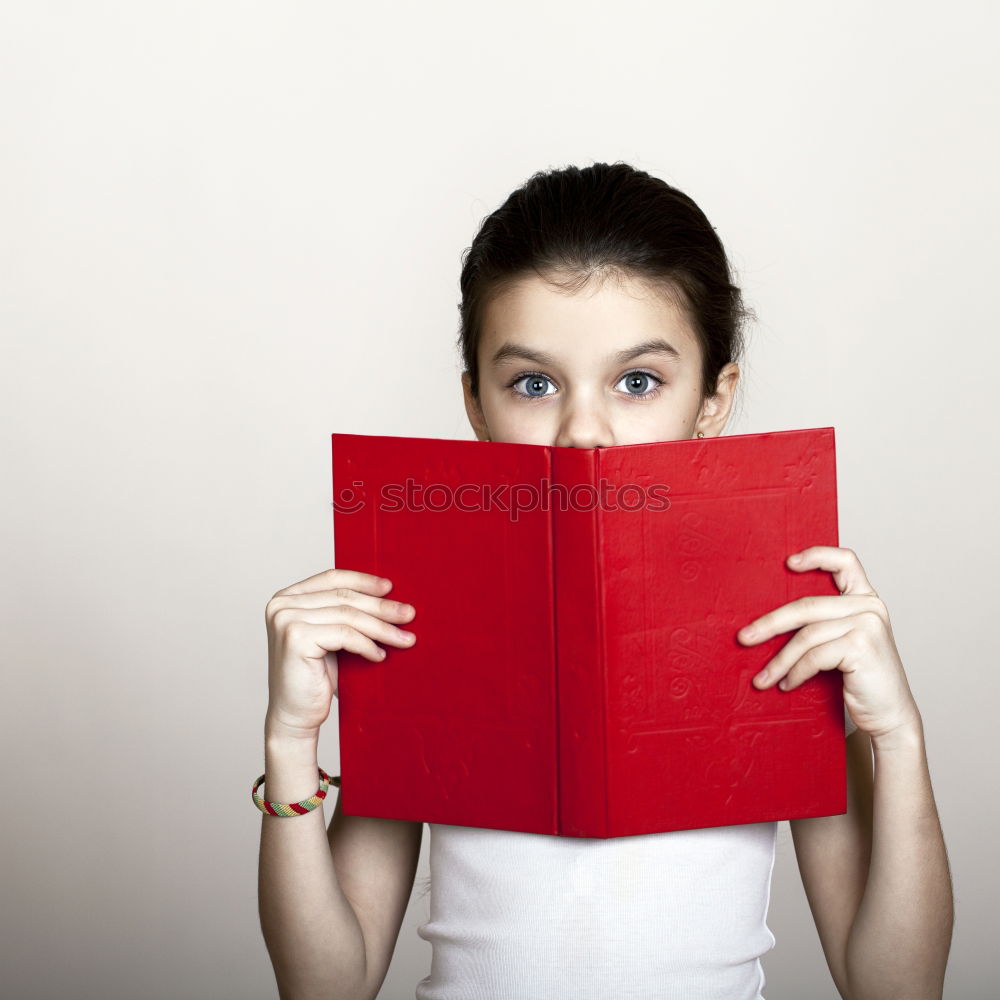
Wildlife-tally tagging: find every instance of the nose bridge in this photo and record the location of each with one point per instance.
(584, 422)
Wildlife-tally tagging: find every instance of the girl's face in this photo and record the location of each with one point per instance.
(611, 366)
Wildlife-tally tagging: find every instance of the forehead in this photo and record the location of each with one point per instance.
(600, 318)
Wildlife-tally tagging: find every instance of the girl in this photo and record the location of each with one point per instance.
(598, 310)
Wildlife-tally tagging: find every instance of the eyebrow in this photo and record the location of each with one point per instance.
(656, 346)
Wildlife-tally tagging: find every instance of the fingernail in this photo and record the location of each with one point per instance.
(761, 678)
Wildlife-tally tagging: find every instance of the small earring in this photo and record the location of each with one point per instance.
(701, 434)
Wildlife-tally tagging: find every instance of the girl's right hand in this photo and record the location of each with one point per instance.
(306, 624)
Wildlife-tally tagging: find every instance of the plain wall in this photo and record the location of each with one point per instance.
(230, 229)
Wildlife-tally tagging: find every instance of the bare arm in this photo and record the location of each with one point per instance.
(310, 929)
(900, 939)
(331, 902)
(892, 869)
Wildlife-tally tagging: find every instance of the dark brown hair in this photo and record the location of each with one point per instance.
(606, 220)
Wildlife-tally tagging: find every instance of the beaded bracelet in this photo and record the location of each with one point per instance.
(284, 809)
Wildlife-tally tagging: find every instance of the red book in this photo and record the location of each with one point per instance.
(576, 670)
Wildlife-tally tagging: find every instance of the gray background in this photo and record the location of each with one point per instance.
(229, 229)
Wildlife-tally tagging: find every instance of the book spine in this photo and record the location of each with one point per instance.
(581, 695)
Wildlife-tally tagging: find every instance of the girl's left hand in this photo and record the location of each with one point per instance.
(850, 633)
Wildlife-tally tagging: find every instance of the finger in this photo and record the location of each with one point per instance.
(804, 611)
(380, 607)
(343, 614)
(323, 640)
(367, 583)
(844, 564)
(827, 656)
(805, 639)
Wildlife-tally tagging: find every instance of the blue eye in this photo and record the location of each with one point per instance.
(642, 378)
(646, 385)
(535, 387)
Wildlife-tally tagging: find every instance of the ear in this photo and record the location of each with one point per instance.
(715, 410)
(473, 410)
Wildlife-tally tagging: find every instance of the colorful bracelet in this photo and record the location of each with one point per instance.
(282, 809)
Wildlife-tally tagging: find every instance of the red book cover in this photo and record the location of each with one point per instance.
(576, 670)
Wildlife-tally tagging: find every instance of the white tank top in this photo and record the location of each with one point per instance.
(523, 916)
